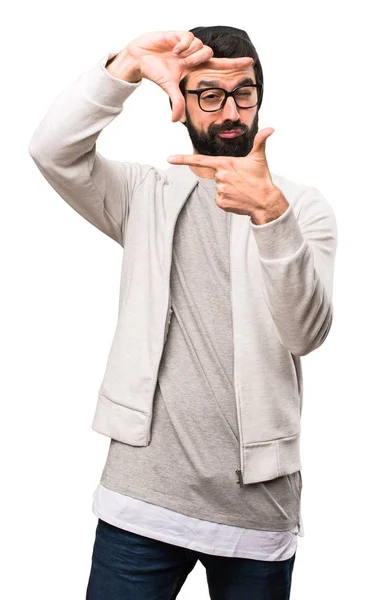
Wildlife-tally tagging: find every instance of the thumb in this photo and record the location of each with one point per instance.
(259, 145)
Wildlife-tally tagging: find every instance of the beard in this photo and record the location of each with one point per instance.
(211, 144)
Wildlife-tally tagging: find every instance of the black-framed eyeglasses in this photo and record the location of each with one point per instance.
(213, 99)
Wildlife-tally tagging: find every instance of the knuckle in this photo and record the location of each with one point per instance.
(223, 174)
(221, 203)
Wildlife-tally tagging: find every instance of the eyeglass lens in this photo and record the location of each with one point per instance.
(245, 97)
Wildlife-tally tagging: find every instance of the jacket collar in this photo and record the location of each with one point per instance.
(183, 177)
(182, 182)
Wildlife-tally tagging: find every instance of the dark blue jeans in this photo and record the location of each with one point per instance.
(129, 566)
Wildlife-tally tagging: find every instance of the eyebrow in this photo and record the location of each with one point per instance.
(215, 83)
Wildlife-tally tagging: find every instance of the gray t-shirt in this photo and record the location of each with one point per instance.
(189, 466)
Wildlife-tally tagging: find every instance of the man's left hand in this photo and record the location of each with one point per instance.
(244, 184)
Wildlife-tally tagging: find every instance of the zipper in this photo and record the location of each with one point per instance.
(166, 328)
(239, 472)
(240, 477)
(168, 318)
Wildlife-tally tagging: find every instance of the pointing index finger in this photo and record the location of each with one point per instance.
(196, 160)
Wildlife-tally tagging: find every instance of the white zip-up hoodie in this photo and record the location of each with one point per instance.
(281, 278)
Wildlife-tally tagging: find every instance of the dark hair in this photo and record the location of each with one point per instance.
(228, 42)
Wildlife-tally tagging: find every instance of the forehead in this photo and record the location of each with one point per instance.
(219, 77)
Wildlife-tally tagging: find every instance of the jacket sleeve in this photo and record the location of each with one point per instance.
(297, 256)
(64, 150)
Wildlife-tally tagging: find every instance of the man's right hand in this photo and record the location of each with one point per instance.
(165, 57)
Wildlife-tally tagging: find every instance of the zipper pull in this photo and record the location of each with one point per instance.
(240, 478)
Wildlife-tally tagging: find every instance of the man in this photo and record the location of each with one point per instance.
(227, 281)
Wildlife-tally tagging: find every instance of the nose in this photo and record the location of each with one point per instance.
(230, 110)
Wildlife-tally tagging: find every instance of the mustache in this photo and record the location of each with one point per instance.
(227, 127)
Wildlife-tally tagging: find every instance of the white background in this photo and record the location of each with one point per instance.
(327, 96)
